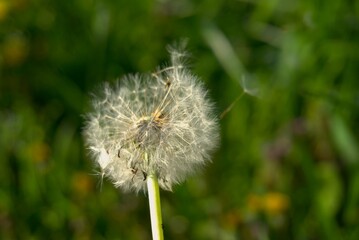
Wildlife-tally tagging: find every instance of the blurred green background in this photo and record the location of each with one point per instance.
(288, 164)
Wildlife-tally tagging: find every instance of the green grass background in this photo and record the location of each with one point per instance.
(288, 164)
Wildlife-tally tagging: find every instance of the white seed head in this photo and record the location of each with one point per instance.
(160, 123)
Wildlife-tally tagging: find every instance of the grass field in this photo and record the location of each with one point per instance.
(285, 79)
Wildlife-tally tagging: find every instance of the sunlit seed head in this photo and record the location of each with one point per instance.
(160, 124)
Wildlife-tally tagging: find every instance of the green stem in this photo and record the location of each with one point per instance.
(155, 207)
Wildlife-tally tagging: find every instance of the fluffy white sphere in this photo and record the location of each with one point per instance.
(160, 124)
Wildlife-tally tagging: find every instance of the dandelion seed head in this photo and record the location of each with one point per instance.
(160, 123)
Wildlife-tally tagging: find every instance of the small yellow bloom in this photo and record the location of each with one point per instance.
(275, 202)
(271, 203)
(4, 10)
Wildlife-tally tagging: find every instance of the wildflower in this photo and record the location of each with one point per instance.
(160, 123)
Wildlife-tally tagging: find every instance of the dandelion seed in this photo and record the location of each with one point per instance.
(103, 159)
(100, 175)
(160, 123)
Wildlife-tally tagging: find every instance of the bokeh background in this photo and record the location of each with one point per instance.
(285, 73)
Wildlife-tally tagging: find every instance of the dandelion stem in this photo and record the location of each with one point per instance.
(155, 207)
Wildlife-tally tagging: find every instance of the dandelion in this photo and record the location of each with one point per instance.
(154, 127)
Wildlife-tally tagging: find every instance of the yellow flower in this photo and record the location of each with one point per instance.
(275, 202)
(271, 203)
(4, 9)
